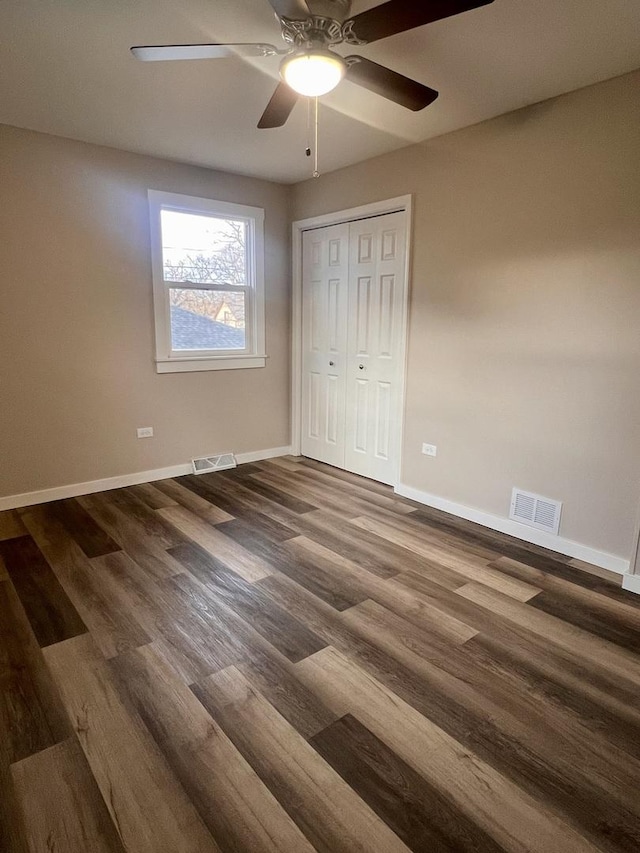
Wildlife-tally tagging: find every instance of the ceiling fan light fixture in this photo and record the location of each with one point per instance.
(313, 72)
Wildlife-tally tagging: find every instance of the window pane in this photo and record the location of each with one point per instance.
(203, 249)
(207, 320)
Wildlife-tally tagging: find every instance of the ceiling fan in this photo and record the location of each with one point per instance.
(311, 68)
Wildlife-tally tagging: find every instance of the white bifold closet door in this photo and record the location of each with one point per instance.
(353, 298)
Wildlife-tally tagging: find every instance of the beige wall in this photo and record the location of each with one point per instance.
(76, 321)
(524, 353)
(524, 349)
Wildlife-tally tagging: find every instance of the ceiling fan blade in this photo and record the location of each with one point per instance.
(391, 85)
(297, 10)
(279, 107)
(163, 52)
(397, 16)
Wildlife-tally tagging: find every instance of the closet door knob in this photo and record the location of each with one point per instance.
(330, 364)
(361, 367)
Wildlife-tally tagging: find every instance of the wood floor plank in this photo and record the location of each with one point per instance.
(148, 552)
(61, 804)
(147, 804)
(379, 505)
(369, 551)
(322, 572)
(224, 549)
(240, 643)
(442, 539)
(242, 530)
(508, 815)
(223, 637)
(342, 583)
(476, 569)
(559, 568)
(467, 531)
(558, 722)
(612, 577)
(340, 477)
(152, 496)
(397, 666)
(84, 530)
(110, 621)
(360, 583)
(611, 619)
(625, 664)
(193, 502)
(239, 492)
(595, 588)
(480, 692)
(192, 634)
(286, 463)
(609, 627)
(286, 633)
(384, 501)
(325, 808)
(357, 581)
(12, 829)
(51, 614)
(546, 735)
(268, 495)
(394, 634)
(417, 812)
(596, 702)
(322, 619)
(239, 810)
(322, 496)
(440, 563)
(215, 490)
(270, 673)
(11, 525)
(31, 716)
(556, 664)
(548, 747)
(304, 569)
(549, 562)
(414, 608)
(148, 523)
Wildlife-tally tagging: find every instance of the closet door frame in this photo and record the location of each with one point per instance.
(401, 204)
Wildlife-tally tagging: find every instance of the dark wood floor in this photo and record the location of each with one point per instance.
(285, 657)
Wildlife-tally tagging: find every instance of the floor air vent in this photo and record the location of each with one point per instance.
(206, 464)
(535, 511)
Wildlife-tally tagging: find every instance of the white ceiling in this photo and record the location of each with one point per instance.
(65, 69)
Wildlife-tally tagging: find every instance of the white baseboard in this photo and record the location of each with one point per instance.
(519, 531)
(75, 489)
(631, 582)
(259, 455)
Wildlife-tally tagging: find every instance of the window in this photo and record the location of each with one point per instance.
(208, 283)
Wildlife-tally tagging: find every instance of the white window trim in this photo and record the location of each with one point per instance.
(168, 361)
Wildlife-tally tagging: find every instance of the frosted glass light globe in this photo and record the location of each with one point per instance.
(313, 73)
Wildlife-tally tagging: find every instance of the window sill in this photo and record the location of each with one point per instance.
(220, 362)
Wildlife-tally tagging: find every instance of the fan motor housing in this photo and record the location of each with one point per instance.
(315, 30)
(337, 10)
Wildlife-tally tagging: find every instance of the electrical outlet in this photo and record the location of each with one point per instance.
(145, 432)
(429, 449)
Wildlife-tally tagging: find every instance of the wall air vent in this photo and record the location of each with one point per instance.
(535, 511)
(207, 464)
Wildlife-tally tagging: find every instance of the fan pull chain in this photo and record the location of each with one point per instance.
(307, 150)
(316, 173)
